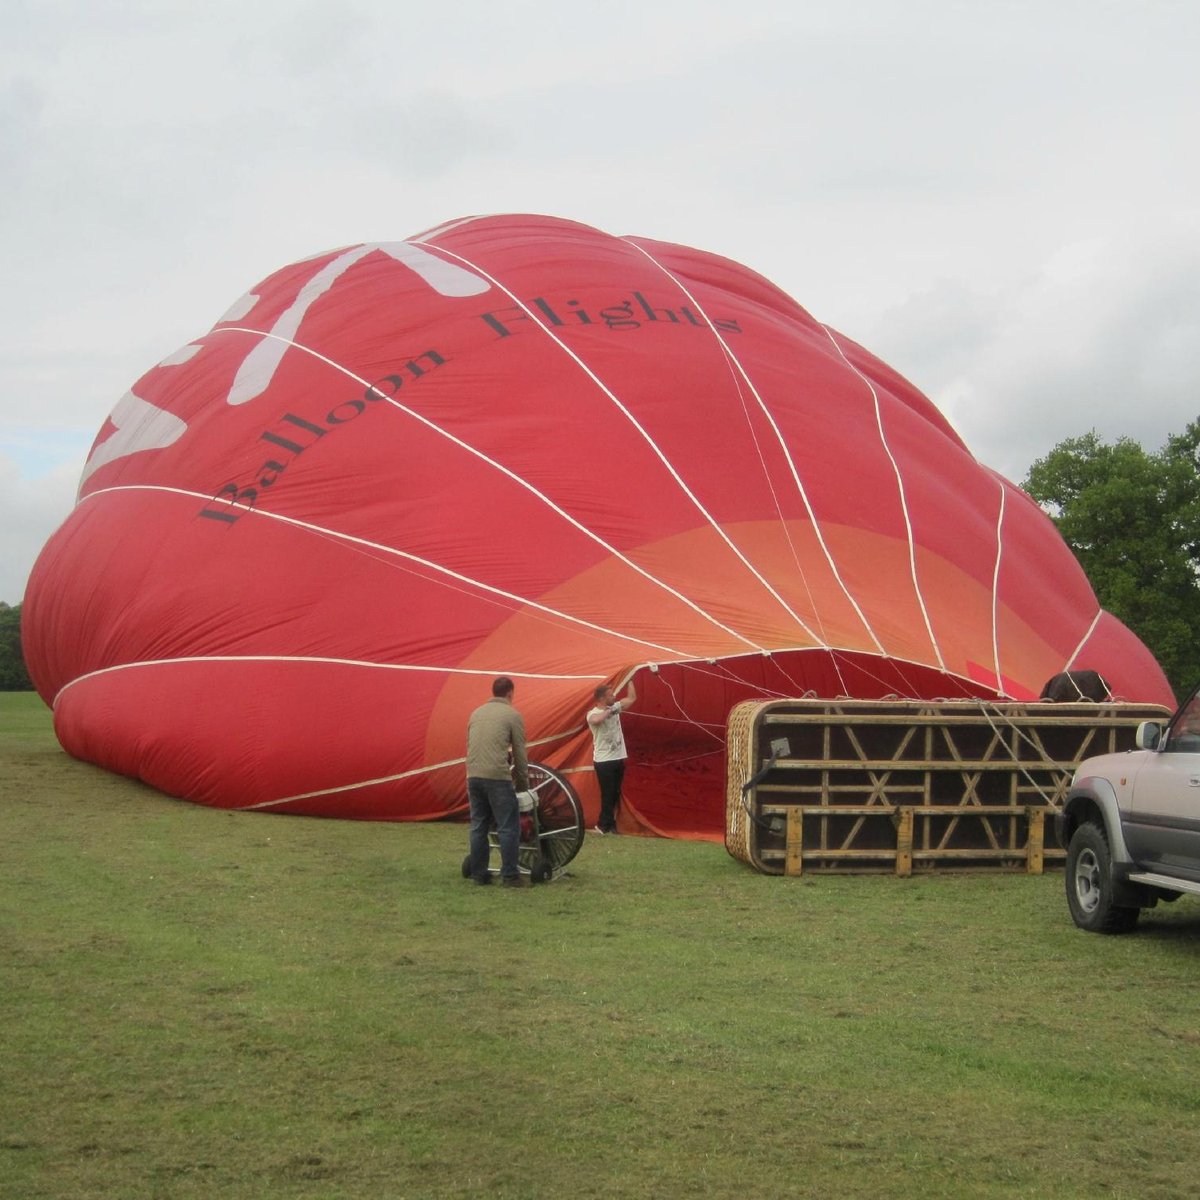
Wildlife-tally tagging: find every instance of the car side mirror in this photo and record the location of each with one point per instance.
(1148, 736)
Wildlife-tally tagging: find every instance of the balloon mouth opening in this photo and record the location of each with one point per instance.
(678, 731)
(712, 686)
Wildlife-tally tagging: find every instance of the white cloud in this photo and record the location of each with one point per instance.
(1105, 336)
(34, 509)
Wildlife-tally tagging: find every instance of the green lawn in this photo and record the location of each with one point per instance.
(198, 1003)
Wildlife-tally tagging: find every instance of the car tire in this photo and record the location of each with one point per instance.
(1090, 889)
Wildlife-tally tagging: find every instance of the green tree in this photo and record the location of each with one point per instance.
(13, 675)
(1133, 520)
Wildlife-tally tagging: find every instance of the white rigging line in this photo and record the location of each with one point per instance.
(1083, 641)
(350, 787)
(731, 363)
(651, 718)
(688, 718)
(912, 556)
(650, 764)
(996, 592)
(404, 554)
(797, 689)
(687, 491)
(499, 467)
(1012, 753)
(427, 769)
(302, 658)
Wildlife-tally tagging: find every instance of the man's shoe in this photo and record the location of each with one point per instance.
(519, 881)
(597, 829)
(486, 879)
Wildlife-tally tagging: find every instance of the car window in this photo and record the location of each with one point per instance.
(1184, 734)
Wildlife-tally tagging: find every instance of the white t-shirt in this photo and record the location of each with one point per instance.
(607, 739)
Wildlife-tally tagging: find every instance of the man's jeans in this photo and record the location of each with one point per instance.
(493, 800)
(610, 775)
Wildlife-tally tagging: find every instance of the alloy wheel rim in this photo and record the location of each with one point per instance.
(1087, 880)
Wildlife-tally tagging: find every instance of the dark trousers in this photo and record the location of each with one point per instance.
(609, 775)
(493, 801)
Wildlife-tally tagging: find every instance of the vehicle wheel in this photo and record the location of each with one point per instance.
(1090, 886)
(539, 869)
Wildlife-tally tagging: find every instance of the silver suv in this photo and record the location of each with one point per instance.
(1131, 825)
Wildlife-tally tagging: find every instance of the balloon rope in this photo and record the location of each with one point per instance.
(652, 765)
(1083, 641)
(687, 716)
(983, 708)
(183, 660)
(730, 363)
(996, 592)
(427, 769)
(912, 550)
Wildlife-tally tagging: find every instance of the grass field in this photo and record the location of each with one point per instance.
(198, 1003)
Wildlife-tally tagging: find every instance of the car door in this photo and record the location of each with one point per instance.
(1164, 817)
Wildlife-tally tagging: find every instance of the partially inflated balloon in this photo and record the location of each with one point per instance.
(306, 543)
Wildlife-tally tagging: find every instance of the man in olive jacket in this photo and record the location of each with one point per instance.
(493, 731)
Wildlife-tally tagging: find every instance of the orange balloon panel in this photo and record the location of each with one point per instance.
(306, 542)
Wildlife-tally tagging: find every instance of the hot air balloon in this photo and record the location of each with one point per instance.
(305, 543)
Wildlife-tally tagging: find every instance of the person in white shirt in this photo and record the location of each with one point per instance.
(608, 756)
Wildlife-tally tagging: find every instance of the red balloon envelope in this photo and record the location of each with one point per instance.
(306, 543)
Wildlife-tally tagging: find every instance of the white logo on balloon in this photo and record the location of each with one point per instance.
(140, 425)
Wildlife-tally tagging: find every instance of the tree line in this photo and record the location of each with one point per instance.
(13, 675)
(1132, 519)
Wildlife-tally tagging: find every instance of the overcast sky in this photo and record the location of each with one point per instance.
(1000, 200)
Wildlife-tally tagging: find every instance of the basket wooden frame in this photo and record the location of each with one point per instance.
(909, 786)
